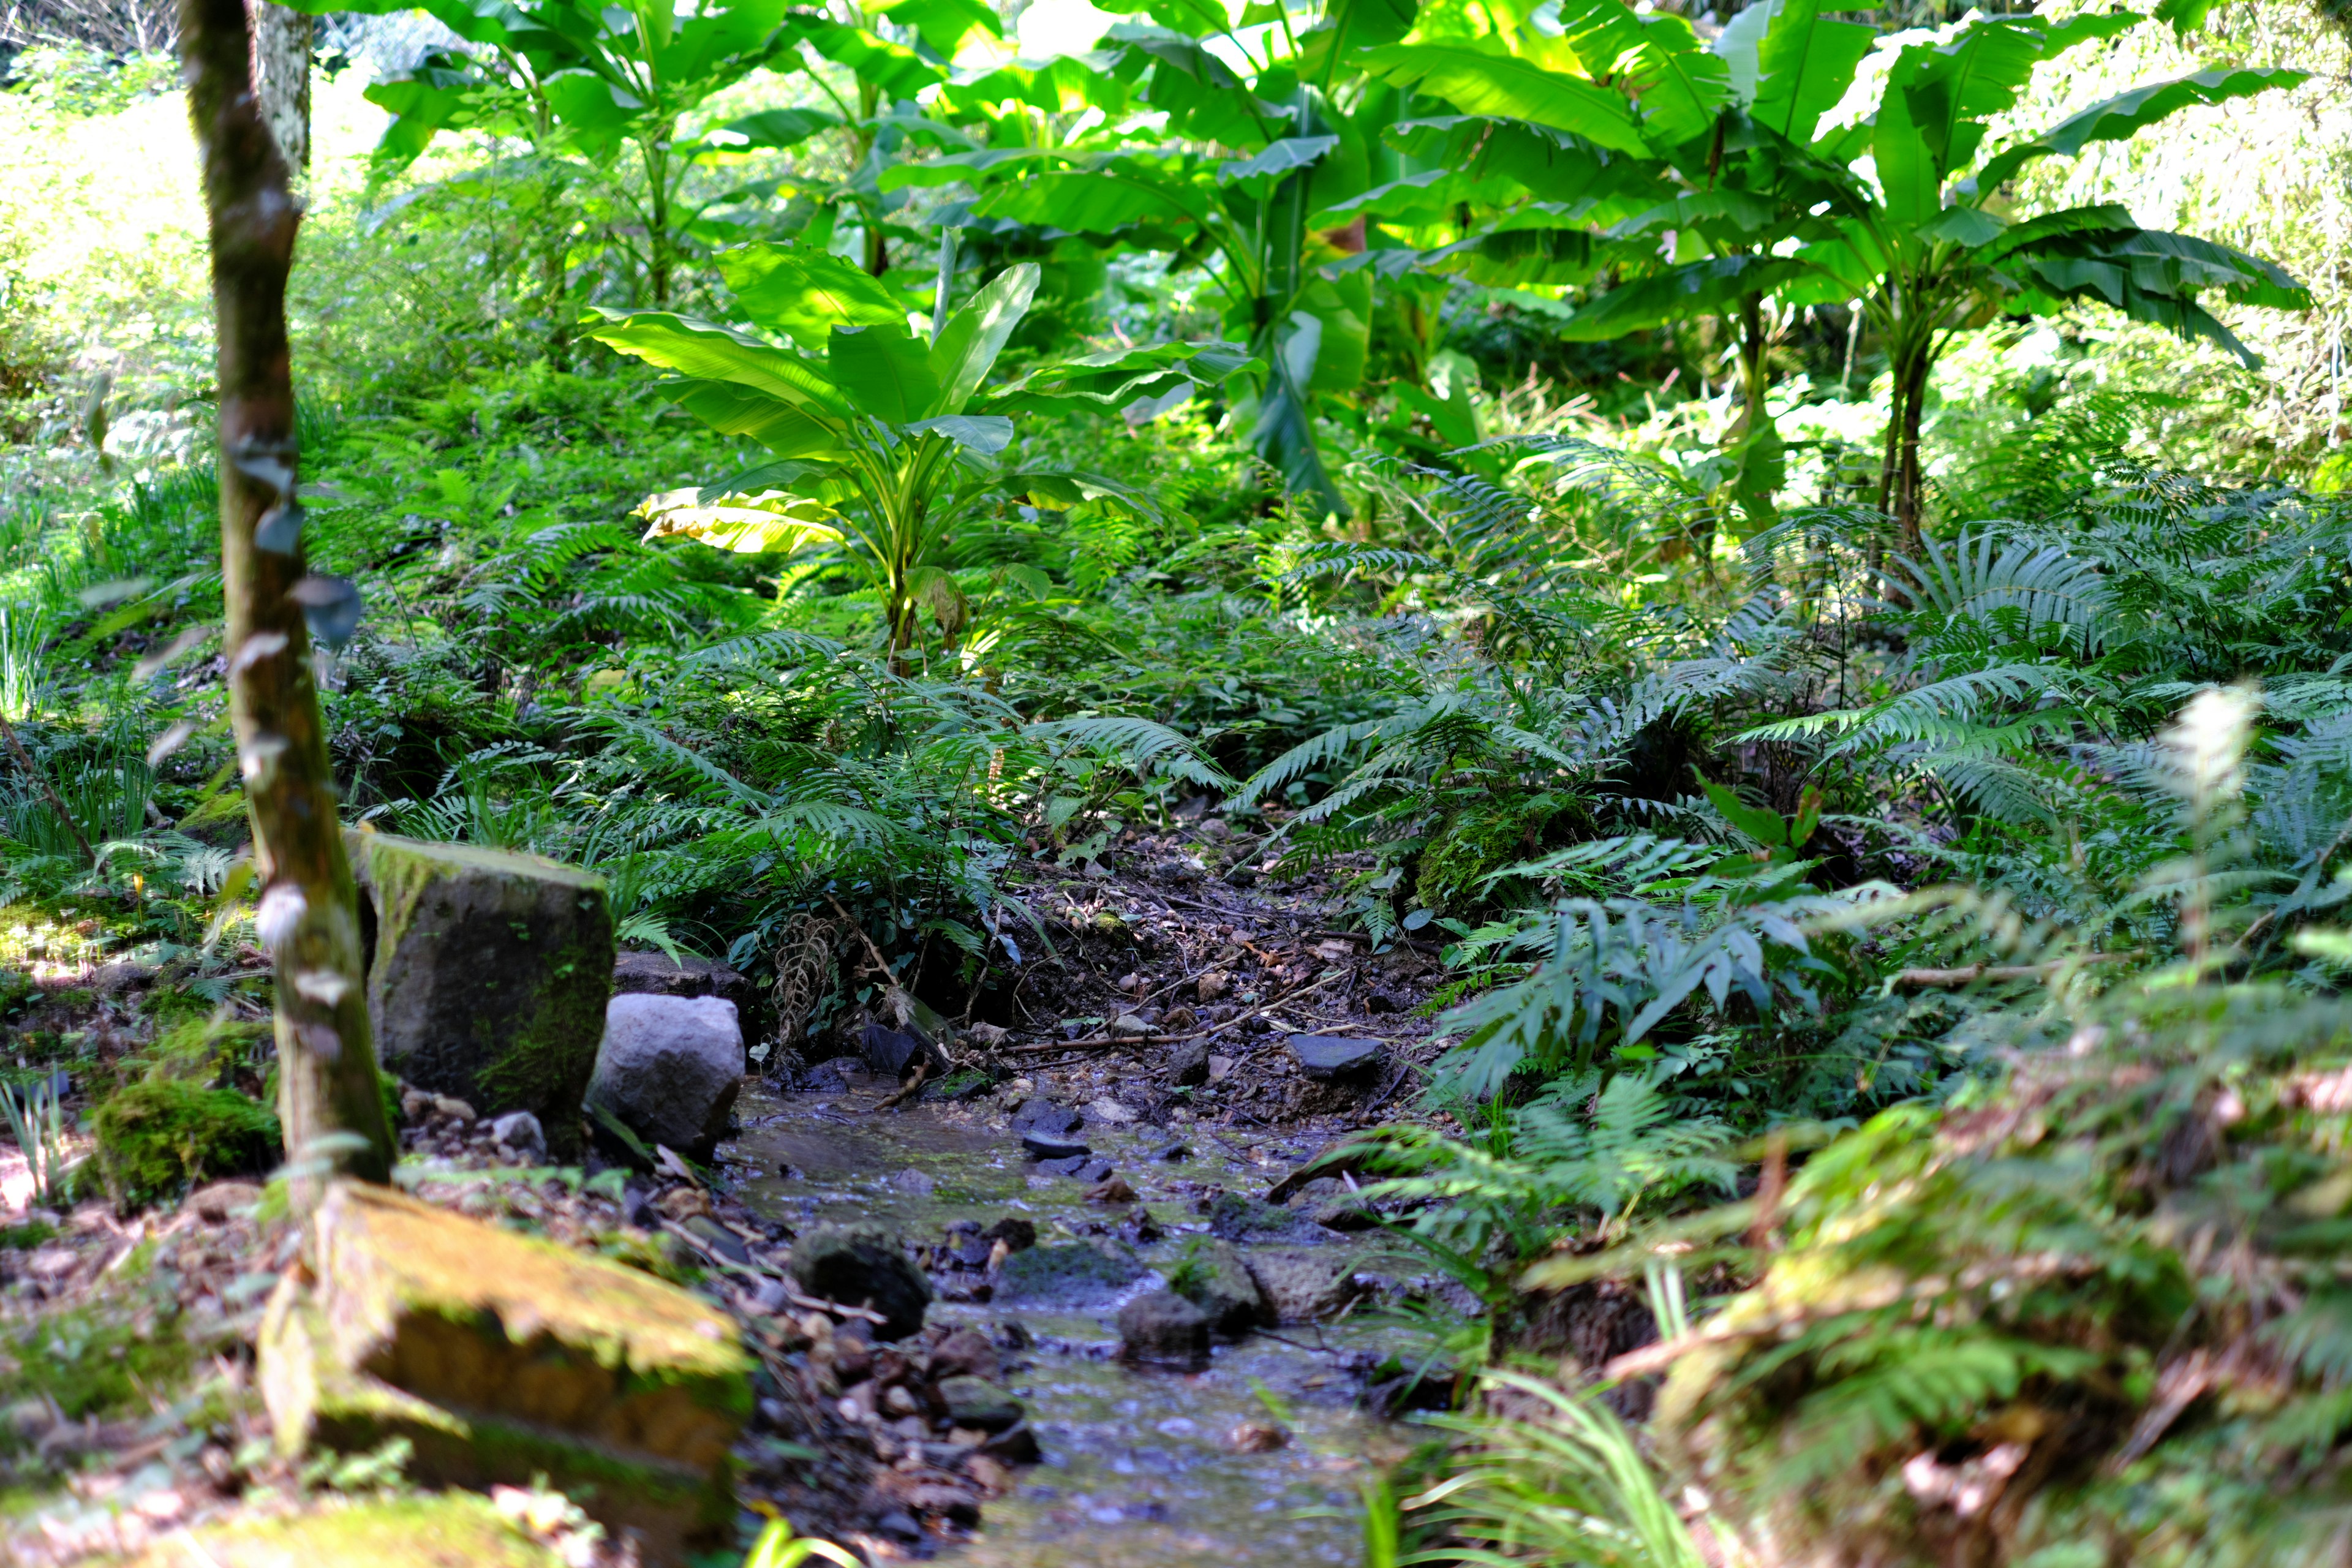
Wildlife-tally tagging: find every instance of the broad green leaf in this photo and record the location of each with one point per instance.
(720, 354)
(1480, 83)
(592, 107)
(1193, 18)
(1910, 186)
(1097, 201)
(988, 434)
(1953, 89)
(805, 294)
(956, 168)
(774, 128)
(1804, 66)
(1711, 287)
(747, 524)
(897, 69)
(1657, 58)
(968, 346)
(1278, 157)
(884, 373)
(1758, 822)
(944, 24)
(2120, 118)
(1967, 226)
(789, 430)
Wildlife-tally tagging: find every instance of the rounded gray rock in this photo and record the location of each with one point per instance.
(1163, 1326)
(669, 1069)
(864, 1265)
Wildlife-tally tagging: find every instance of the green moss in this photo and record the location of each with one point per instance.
(157, 1137)
(25, 1237)
(398, 1533)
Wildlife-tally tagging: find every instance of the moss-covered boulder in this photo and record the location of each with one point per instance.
(500, 1357)
(1214, 1277)
(158, 1137)
(489, 975)
(452, 1531)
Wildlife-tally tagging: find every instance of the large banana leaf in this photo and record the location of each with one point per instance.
(884, 374)
(967, 346)
(2120, 118)
(805, 294)
(1478, 82)
(1804, 66)
(702, 349)
(1711, 287)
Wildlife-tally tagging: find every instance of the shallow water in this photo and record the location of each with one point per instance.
(1139, 1471)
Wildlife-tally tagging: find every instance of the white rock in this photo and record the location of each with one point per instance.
(669, 1069)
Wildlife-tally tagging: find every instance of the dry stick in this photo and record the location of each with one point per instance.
(1925, 979)
(1102, 1040)
(42, 778)
(309, 914)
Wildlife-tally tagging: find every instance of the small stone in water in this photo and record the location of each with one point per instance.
(1111, 1190)
(1258, 1437)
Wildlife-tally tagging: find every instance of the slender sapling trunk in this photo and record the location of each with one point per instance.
(309, 916)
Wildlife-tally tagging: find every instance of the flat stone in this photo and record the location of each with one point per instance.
(669, 1069)
(500, 1357)
(1328, 1056)
(1163, 1326)
(487, 974)
(1233, 1216)
(1065, 1275)
(980, 1404)
(864, 1265)
(1043, 1116)
(1110, 1113)
(1053, 1146)
(966, 1354)
(454, 1529)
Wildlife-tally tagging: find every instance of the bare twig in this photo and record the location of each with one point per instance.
(1100, 1041)
(1930, 979)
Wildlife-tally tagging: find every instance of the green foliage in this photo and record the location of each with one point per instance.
(158, 1136)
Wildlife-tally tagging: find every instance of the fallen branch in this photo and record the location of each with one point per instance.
(1099, 1042)
(1967, 974)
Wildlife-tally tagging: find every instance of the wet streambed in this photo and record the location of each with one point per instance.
(1142, 1465)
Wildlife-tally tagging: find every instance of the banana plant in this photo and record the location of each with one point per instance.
(1581, 145)
(890, 446)
(1267, 119)
(580, 80)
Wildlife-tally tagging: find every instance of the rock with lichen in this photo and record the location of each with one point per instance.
(500, 1358)
(489, 975)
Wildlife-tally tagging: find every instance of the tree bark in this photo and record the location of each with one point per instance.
(281, 76)
(327, 1094)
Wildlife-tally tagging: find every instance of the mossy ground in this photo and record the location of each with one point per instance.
(119, 1354)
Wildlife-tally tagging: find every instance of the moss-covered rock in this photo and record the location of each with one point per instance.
(471, 1316)
(159, 1136)
(489, 975)
(317, 1401)
(1214, 1277)
(1064, 1276)
(456, 1531)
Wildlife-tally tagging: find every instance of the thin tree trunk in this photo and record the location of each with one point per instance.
(309, 916)
(1907, 479)
(281, 74)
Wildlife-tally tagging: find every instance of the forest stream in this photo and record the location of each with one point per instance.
(1142, 1465)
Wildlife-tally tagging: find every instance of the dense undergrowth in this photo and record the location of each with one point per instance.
(1902, 982)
